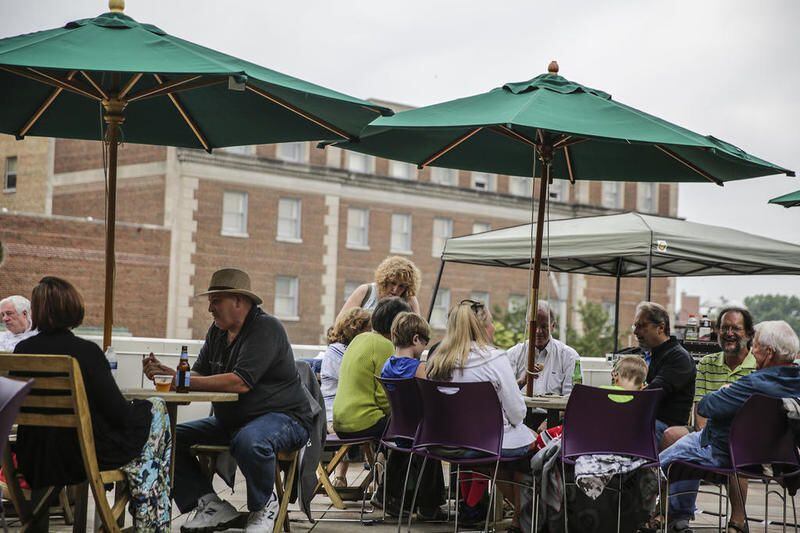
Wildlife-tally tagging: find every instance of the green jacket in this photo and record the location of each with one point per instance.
(360, 399)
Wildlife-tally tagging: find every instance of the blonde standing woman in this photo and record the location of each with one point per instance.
(395, 276)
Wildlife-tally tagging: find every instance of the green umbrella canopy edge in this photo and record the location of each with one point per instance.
(787, 200)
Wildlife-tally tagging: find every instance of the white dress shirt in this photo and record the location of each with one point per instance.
(559, 366)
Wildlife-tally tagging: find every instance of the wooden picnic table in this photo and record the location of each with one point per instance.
(553, 404)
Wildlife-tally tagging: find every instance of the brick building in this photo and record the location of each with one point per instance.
(307, 224)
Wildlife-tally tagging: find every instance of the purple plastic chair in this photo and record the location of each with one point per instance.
(12, 394)
(406, 413)
(466, 416)
(594, 423)
(759, 435)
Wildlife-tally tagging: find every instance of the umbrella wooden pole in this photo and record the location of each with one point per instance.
(114, 117)
(546, 156)
(436, 289)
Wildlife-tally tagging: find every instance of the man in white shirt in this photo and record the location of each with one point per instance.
(555, 362)
(15, 312)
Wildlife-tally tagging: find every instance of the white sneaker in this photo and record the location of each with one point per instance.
(211, 513)
(263, 521)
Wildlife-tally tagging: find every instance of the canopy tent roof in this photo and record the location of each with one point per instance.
(621, 244)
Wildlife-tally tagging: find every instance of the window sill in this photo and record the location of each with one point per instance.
(237, 235)
(359, 247)
(9, 191)
(288, 318)
(289, 240)
(401, 252)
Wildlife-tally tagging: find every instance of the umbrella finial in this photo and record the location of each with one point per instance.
(552, 68)
(116, 6)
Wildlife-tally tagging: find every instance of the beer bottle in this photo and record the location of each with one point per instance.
(184, 372)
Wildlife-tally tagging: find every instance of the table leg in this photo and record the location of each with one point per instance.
(172, 412)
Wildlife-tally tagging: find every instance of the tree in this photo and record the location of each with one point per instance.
(509, 326)
(598, 333)
(775, 307)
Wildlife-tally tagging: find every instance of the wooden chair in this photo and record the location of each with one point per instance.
(63, 377)
(283, 486)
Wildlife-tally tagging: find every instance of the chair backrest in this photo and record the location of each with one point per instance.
(460, 415)
(12, 393)
(406, 407)
(760, 434)
(604, 421)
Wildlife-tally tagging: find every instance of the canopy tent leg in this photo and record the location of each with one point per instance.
(435, 289)
(616, 307)
(648, 288)
(546, 156)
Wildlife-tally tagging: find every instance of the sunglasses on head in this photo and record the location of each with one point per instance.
(474, 304)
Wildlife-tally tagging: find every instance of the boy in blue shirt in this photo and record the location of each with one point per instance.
(410, 335)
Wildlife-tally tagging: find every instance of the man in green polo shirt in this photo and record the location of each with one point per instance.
(735, 334)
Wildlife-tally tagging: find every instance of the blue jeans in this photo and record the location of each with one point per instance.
(661, 427)
(688, 449)
(254, 446)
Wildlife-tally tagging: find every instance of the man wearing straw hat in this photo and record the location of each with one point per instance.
(246, 351)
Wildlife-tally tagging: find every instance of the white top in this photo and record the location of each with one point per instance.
(372, 297)
(559, 366)
(8, 340)
(492, 365)
(329, 375)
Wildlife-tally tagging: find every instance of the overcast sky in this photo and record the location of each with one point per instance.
(726, 68)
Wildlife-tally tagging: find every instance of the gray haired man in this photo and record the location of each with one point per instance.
(15, 311)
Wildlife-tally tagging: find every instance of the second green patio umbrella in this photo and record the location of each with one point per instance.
(112, 78)
(787, 200)
(551, 127)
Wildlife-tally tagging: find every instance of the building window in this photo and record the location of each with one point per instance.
(480, 296)
(440, 308)
(249, 149)
(357, 228)
(349, 288)
(609, 308)
(10, 176)
(519, 186)
(444, 176)
(648, 197)
(294, 152)
(404, 171)
(613, 194)
(362, 163)
(401, 234)
(483, 181)
(234, 214)
(480, 227)
(559, 191)
(289, 220)
(286, 297)
(442, 230)
(516, 302)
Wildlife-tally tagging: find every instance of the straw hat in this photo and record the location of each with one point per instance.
(231, 280)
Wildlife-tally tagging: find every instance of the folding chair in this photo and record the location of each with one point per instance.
(759, 436)
(64, 379)
(598, 421)
(283, 485)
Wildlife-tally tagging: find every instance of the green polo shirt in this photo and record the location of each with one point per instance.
(713, 373)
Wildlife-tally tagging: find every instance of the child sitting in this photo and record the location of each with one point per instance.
(629, 373)
(410, 335)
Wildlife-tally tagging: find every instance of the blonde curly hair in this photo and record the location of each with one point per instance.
(350, 325)
(396, 269)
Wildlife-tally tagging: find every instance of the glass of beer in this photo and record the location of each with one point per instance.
(163, 382)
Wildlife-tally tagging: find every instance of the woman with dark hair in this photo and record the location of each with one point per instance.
(132, 436)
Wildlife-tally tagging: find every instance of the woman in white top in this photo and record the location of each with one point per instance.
(466, 354)
(352, 323)
(395, 276)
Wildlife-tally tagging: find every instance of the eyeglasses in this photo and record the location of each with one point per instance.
(732, 329)
(642, 325)
(474, 304)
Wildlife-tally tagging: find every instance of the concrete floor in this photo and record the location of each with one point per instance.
(322, 509)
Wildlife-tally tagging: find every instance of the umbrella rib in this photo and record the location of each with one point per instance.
(568, 159)
(449, 147)
(297, 111)
(42, 108)
(129, 85)
(505, 130)
(46, 79)
(568, 140)
(690, 165)
(171, 86)
(195, 129)
(94, 84)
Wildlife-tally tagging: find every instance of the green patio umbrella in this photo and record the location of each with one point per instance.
(112, 78)
(787, 200)
(551, 127)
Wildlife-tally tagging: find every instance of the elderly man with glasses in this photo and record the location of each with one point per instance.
(15, 313)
